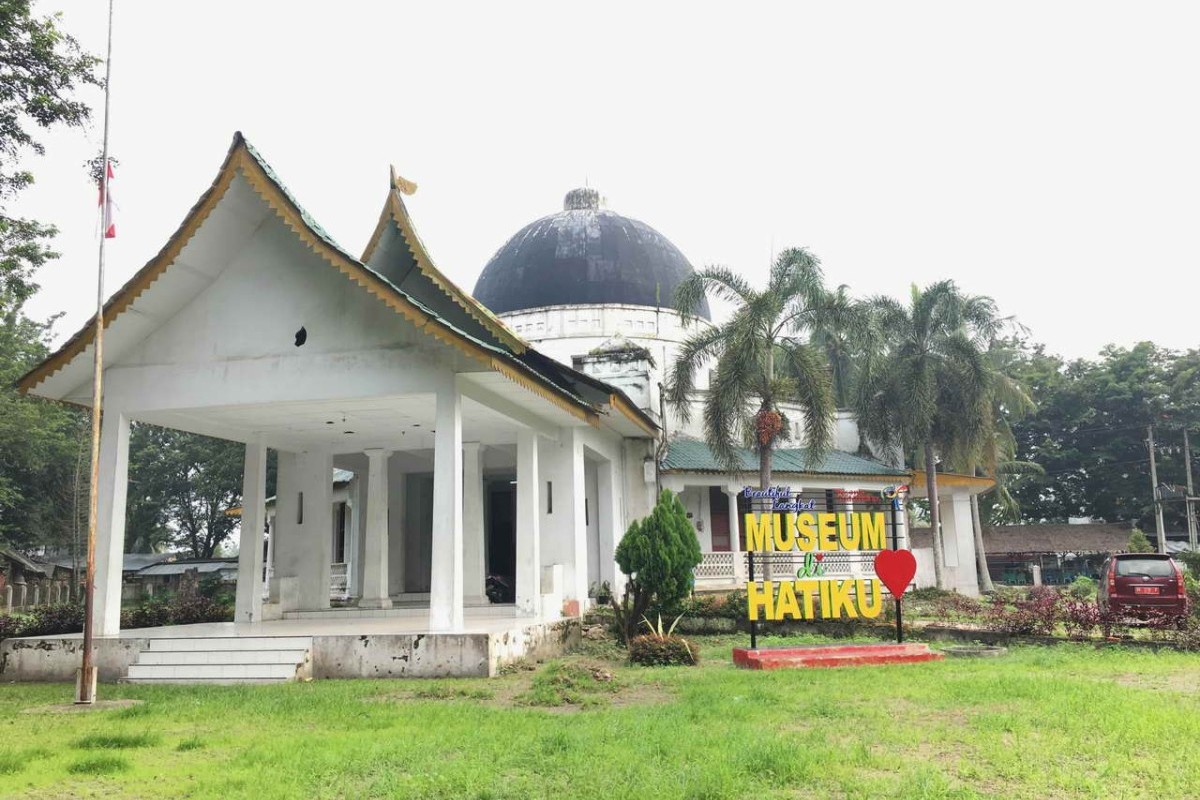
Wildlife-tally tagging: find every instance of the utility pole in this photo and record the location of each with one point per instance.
(1158, 515)
(1189, 503)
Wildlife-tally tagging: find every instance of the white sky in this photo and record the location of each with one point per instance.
(1046, 154)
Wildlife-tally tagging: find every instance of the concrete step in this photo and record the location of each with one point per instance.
(232, 643)
(207, 681)
(187, 673)
(277, 656)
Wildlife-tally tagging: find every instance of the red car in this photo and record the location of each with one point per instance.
(1142, 584)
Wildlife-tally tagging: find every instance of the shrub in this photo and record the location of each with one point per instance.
(150, 614)
(652, 651)
(198, 608)
(10, 625)
(1082, 588)
(954, 607)
(1081, 616)
(51, 620)
(659, 554)
(1035, 616)
(1138, 543)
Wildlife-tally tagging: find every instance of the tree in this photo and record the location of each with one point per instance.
(659, 554)
(925, 387)
(1090, 432)
(762, 358)
(40, 70)
(182, 486)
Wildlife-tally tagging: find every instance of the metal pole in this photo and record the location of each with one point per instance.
(1191, 492)
(896, 546)
(84, 691)
(753, 623)
(1158, 515)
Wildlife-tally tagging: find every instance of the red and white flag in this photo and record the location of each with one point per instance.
(106, 206)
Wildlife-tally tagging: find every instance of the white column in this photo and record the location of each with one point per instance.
(316, 531)
(529, 557)
(110, 522)
(958, 541)
(474, 553)
(608, 510)
(375, 547)
(446, 558)
(575, 485)
(248, 606)
(735, 535)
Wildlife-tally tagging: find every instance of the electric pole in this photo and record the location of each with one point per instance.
(1189, 503)
(1158, 515)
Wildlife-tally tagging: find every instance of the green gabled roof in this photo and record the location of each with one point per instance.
(692, 455)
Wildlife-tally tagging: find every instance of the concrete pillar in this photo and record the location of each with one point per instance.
(735, 535)
(248, 606)
(110, 522)
(446, 559)
(269, 568)
(573, 507)
(8, 598)
(608, 515)
(375, 589)
(315, 522)
(529, 557)
(37, 595)
(958, 540)
(474, 548)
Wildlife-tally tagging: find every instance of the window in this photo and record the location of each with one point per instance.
(300, 508)
(1150, 567)
(549, 497)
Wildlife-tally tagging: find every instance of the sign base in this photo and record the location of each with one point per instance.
(832, 655)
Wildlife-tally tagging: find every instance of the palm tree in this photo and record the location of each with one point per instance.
(762, 358)
(926, 388)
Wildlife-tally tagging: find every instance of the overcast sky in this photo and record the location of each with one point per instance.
(1046, 154)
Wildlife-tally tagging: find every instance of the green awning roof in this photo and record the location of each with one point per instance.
(692, 455)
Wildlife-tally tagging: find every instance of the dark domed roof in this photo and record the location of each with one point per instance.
(583, 255)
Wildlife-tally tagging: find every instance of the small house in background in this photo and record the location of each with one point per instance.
(168, 577)
(1062, 552)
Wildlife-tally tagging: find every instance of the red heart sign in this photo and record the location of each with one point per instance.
(896, 569)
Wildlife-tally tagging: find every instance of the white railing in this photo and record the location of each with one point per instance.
(719, 567)
(339, 582)
(715, 567)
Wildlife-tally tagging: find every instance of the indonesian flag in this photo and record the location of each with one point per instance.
(106, 205)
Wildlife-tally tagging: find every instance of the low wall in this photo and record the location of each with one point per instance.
(534, 642)
(411, 655)
(48, 659)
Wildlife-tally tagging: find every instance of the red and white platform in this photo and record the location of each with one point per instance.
(832, 655)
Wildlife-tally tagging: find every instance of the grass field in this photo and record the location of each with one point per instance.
(1067, 721)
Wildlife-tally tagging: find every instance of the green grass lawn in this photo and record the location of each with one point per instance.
(1067, 721)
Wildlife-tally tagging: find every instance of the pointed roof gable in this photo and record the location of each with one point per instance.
(397, 252)
(559, 385)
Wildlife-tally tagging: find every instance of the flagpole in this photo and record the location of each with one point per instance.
(85, 689)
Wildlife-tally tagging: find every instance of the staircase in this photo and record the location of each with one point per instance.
(231, 659)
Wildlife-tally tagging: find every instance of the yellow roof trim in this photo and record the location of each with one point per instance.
(634, 415)
(954, 479)
(395, 211)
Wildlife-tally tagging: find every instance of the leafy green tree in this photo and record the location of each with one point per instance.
(40, 70)
(926, 387)
(1139, 543)
(762, 357)
(1089, 432)
(182, 486)
(658, 554)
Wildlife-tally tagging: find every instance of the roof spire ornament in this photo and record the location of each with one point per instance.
(585, 199)
(402, 185)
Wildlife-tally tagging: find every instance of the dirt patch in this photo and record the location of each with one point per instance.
(1179, 682)
(567, 686)
(73, 708)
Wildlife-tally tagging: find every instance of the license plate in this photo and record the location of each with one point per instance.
(1145, 590)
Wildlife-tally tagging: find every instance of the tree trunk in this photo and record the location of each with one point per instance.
(935, 516)
(985, 578)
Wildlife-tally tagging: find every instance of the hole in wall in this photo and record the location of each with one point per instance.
(301, 336)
